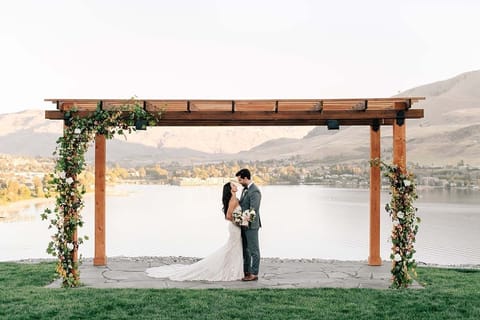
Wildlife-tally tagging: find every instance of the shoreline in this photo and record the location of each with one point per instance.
(12, 211)
(327, 185)
(25, 202)
(14, 208)
(19, 205)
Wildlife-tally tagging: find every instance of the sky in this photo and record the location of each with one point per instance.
(245, 49)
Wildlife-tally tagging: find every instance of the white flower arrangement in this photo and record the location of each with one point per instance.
(244, 218)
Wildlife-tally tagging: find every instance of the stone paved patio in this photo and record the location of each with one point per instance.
(126, 272)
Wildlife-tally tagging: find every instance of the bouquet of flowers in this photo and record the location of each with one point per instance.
(243, 218)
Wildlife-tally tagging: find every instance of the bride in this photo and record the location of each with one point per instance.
(225, 264)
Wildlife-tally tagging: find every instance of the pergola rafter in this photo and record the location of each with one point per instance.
(373, 112)
(309, 112)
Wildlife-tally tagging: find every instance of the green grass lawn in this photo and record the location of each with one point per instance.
(448, 294)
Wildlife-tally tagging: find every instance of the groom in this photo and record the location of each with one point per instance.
(250, 199)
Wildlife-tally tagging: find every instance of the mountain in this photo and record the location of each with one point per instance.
(28, 133)
(450, 132)
(450, 102)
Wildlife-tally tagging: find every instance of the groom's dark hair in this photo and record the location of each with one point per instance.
(244, 173)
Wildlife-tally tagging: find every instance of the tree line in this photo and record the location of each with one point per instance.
(18, 183)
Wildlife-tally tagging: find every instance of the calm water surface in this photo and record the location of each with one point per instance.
(298, 221)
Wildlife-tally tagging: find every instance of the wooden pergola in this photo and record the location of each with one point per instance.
(334, 113)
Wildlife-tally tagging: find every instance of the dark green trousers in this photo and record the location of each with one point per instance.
(251, 251)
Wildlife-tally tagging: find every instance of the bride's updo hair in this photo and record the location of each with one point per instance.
(227, 195)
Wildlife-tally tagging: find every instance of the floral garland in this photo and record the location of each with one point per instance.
(403, 191)
(79, 133)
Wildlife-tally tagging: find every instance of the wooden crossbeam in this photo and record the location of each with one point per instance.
(268, 112)
(241, 105)
(264, 118)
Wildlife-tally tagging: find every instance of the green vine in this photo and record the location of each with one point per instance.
(79, 133)
(403, 191)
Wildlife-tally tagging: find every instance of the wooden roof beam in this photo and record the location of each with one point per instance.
(263, 118)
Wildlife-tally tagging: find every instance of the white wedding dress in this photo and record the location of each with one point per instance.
(225, 264)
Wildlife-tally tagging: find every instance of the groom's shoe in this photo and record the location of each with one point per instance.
(250, 277)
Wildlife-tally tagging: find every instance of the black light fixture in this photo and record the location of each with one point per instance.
(140, 121)
(67, 118)
(141, 124)
(333, 125)
(400, 118)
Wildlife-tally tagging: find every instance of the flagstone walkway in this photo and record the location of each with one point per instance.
(127, 272)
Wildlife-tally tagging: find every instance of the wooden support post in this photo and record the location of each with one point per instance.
(399, 145)
(100, 258)
(375, 184)
(75, 233)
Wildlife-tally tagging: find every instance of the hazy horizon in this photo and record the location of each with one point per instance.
(230, 50)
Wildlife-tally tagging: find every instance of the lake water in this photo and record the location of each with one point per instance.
(298, 222)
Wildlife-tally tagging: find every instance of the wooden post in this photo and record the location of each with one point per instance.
(75, 233)
(100, 258)
(399, 145)
(375, 184)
